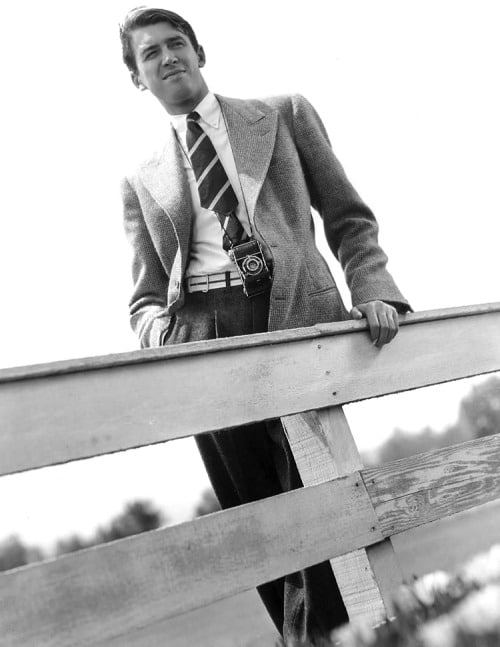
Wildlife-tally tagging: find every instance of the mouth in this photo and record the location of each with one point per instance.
(173, 75)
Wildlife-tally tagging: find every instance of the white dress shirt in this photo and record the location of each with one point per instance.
(207, 255)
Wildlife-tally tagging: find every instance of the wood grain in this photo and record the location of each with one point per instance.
(69, 415)
(230, 343)
(322, 444)
(324, 448)
(106, 591)
(416, 490)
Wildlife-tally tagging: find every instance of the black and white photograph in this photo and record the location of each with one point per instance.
(250, 334)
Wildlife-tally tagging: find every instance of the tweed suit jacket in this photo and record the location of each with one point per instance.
(286, 167)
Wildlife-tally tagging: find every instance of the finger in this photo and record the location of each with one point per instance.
(395, 322)
(392, 323)
(356, 313)
(384, 328)
(373, 324)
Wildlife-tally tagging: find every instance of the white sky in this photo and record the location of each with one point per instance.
(409, 93)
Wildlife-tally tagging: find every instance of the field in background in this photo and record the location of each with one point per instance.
(446, 544)
(441, 545)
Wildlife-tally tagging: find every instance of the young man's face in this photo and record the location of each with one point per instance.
(169, 67)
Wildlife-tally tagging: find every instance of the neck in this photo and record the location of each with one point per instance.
(188, 105)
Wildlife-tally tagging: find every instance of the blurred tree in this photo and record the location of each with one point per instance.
(207, 504)
(35, 554)
(14, 553)
(479, 415)
(480, 410)
(405, 443)
(138, 516)
(71, 544)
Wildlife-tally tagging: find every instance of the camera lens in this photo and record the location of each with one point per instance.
(252, 265)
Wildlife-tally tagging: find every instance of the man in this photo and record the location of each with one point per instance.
(220, 225)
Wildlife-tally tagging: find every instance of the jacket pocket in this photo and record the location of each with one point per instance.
(320, 277)
(328, 288)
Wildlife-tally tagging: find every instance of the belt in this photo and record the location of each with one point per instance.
(212, 281)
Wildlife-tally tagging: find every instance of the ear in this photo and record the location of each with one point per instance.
(135, 80)
(202, 59)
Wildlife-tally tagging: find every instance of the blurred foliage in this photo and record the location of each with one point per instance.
(207, 504)
(72, 543)
(439, 610)
(137, 517)
(14, 553)
(479, 415)
(480, 410)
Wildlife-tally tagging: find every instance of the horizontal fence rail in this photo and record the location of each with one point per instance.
(84, 408)
(158, 574)
(70, 410)
(426, 487)
(165, 572)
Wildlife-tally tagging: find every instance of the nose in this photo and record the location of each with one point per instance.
(169, 58)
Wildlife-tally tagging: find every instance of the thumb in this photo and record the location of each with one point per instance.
(356, 313)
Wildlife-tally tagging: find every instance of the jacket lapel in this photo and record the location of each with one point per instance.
(166, 180)
(252, 134)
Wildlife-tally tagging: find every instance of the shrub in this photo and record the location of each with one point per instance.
(440, 610)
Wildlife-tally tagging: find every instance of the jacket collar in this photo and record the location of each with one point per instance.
(252, 134)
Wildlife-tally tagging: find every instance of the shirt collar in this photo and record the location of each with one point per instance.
(208, 109)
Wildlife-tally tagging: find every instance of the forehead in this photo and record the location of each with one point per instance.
(143, 37)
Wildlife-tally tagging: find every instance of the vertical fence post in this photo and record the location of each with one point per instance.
(324, 449)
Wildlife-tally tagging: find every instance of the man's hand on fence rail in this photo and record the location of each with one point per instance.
(382, 320)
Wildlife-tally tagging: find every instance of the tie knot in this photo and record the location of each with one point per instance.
(193, 116)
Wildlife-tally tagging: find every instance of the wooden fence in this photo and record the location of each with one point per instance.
(75, 409)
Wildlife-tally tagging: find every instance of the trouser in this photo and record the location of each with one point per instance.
(255, 461)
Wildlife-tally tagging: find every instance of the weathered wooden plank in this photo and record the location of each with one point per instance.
(322, 444)
(230, 343)
(462, 462)
(386, 571)
(324, 448)
(101, 592)
(416, 490)
(238, 621)
(53, 419)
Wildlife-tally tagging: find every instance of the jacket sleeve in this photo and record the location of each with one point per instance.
(350, 226)
(148, 305)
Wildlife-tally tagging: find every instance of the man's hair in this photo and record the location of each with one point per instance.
(144, 16)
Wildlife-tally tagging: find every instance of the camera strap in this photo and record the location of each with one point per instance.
(233, 232)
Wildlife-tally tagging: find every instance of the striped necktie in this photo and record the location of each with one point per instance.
(214, 187)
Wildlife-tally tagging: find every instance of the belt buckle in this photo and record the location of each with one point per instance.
(206, 287)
